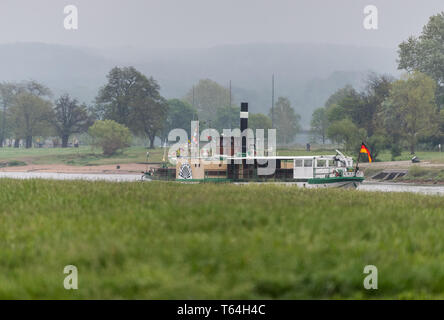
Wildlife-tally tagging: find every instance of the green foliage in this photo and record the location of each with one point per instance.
(69, 118)
(259, 121)
(347, 133)
(110, 136)
(362, 108)
(25, 110)
(410, 110)
(420, 174)
(376, 144)
(335, 113)
(387, 114)
(339, 95)
(226, 118)
(395, 150)
(426, 53)
(115, 98)
(12, 163)
(5, 130)
(8, 93)
(132, 99)
(30, 115)
(375, 94)
(180, 115)
(148, 116)
(417, 171)
(207, 97)
(319, 124)
(286, 121)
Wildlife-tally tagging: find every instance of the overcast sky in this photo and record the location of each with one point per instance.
(206, 23)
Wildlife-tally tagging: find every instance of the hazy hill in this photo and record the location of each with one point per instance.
(306, 73)
(62, 68)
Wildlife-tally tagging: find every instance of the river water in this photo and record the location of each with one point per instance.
(72, 176)
(402, 187)
(366, 186)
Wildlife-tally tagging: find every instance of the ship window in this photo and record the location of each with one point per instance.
(298, 163)
(321, 163)
(308, 163)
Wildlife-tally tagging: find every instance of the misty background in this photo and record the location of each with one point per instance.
(312, 47)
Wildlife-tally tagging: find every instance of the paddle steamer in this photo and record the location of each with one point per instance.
(242, 165)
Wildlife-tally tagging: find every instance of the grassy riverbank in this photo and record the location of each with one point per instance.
(430, 170)
(419, 174)
(168, 240)
(83, 156)
(415, 174)
(89, 156)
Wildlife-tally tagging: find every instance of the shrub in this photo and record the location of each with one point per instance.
(16, 163)
(395, 150)
(417, 171)
(110, 136)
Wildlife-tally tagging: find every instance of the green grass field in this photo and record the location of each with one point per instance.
(178, 241)
(87, 156)
(83, 156)
(432, 156)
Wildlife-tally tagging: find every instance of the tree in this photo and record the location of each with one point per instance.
(335, 113)
(132, 99)
(319, 124)
(339, 95)
(30, 116)
(69, 118)
(287, 121)
(426, 53)
(8, 92)
(114, 99)
(364, 109)
(149, 111)
(440, 134)
(207, 96)
(410, 109)
(180, 115)
(259, 121)
(110, 136)
(392, 122)
(376, 92)
(37, 89)
(226, 118)
(353, 105)
(346, 132)
(377, 143)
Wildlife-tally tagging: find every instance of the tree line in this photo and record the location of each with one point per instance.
(129, 100)
(27, 111)
(392, 113)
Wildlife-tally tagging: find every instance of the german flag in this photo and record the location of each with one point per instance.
(364, 149)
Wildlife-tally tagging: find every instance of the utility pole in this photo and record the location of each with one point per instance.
(3, 125)
(272, 101)
(194, 107)
(230, 94)
(193, 97)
